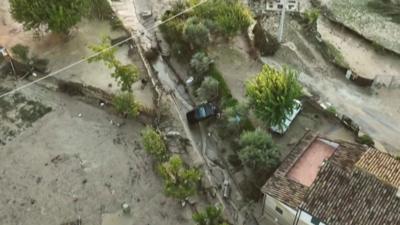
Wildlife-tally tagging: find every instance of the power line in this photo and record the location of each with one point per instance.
(98, 53)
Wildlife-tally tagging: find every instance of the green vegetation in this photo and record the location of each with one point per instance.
(179, 181)
(125, 75)
(21, 52)
(234, 120)
(200, 65)
(190, 32)
(100, 9)
(154, 144)
(258, 150)
(58, 16)
(210, 216)
(332, 110)
(126, 104)
(365, 140)
(311, 16)
(208, 90)
(272, 94)
(334, 55)
(386, 8)
(196, 33)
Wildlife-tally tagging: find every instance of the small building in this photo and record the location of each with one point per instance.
(277, 5)
(325, 182)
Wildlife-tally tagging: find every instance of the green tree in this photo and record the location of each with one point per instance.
(272, 94)
(21, 52)
(154, 144)
(104, 52)
(200, 64)
(180, 182)
(210, 216)
(208, 90)
(229, 16)
(58, 16)
(234, 119)
(126, 103)
(196, 33)
(125, 75)
(258, 150)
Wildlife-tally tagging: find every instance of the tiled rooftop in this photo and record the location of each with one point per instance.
(339, 197)
(382, 165)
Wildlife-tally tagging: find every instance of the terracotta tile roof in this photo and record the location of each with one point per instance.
(290, 192)
(282, 188)
(347, 155)
(339, 197)
(382, 165)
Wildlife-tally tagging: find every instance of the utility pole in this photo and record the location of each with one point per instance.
(282, 22)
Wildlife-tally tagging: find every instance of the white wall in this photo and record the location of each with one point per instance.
(288, 214)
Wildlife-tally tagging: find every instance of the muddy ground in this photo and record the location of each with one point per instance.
(76, 162)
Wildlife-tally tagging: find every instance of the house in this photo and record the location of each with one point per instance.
(277, 5)
(329, 182)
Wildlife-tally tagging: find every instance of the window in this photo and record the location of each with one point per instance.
(315, 221)
(279, 210)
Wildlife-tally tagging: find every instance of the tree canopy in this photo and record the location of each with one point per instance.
(58, 16)
(126, 75)
(258, 150)
(209, 89)
(210, 216)
(180, 182)
(154, 144)
(272, 94)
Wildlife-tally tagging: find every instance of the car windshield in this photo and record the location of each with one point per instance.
(201, 112)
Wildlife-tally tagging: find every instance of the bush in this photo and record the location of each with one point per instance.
(179, 182)
(208, 90)
(126, 104)
(210, 216)
(154, 144)
(21, 52)
(311, 16)
(229, 16)
(365, 140)
(200, 65)
(234, 119)
(196, 33)
(258, 150)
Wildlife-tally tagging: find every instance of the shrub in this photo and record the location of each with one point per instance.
(179, 181)
(365, 140)
(210, 216)
(21, 52)
(196, 33)
(258, 150)
(200, 65)
(208, 90)
(126, 103)
(154, 144)
(311, 16)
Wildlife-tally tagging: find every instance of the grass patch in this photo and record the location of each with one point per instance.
(334, 55)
